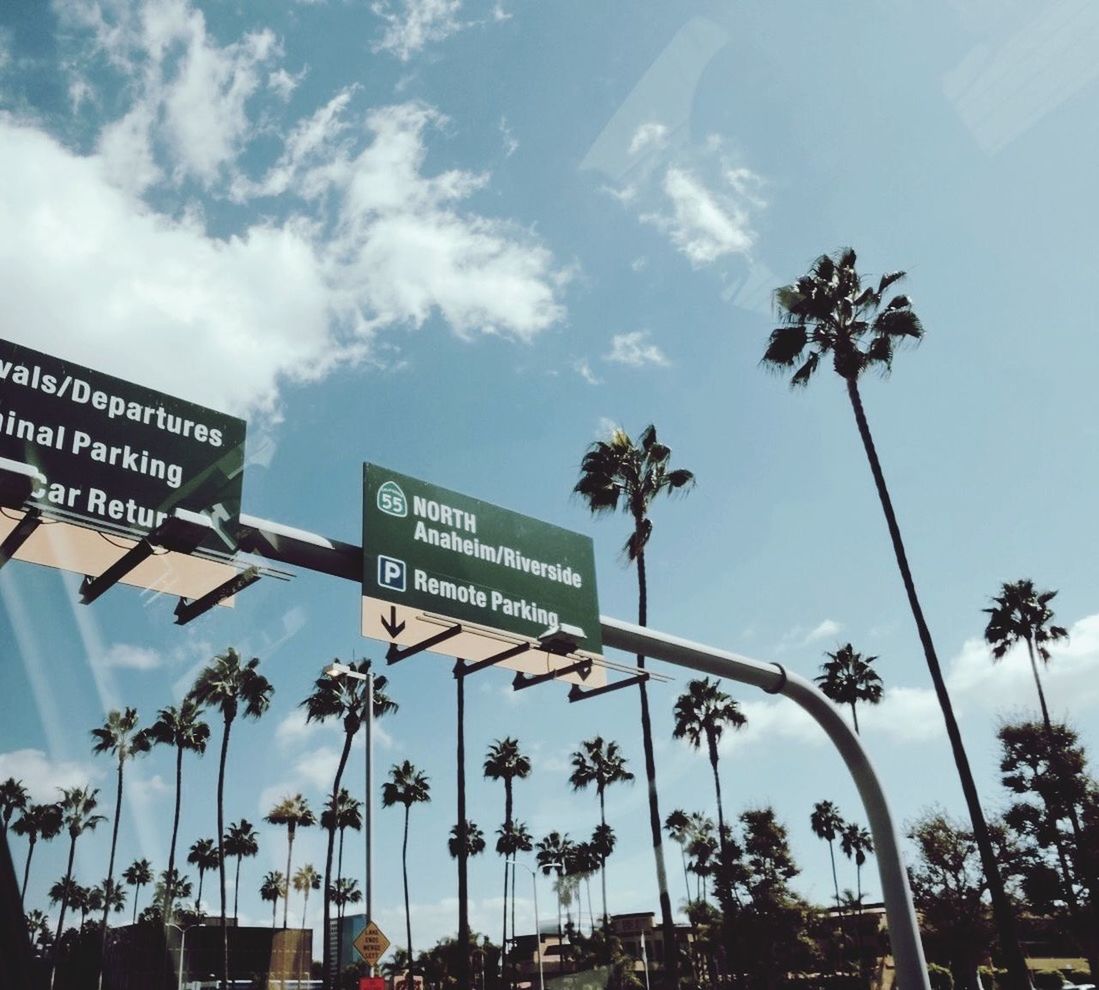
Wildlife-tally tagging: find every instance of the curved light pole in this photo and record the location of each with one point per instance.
(182, 943)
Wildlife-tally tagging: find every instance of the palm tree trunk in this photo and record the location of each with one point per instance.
(507, 830)
(221, 850)
(1038, 685)
(504, 937)
(339, 908)
(198, 900)
(64, 906)
(666, 923)
(274, 908)
(137, 892)
(305, 911)
(513, 872)
(1018, 976)
(836, 888)
(348, 737)
(855, 717)
(686, 879)
(712, 746)
(603, 859)
(27, 869)
(236, 888)
(169, 887)
(463, 846)
(290, 830)
(108, 885)
(407, 909)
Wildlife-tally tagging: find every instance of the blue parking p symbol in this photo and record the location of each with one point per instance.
(391, 573)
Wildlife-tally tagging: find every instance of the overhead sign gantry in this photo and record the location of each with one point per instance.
(452, 574)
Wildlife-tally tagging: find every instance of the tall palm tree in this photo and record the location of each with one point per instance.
(229, 686)
(847, 678)
(272, 889)
(473, 836)
(38, 928)
(306, 879)
(171, 888)
(78, 815)
(13, 798)
(119, 736)
(137, 875)
(505, 761)
(37, 821)
(509, 843)
(343, 698)
(294, 812)
(1021, 613)
(181, 728)
(339, 815)
(678, 827)
(68, 893)
(828, 313)
(856, 844)
(552, 851)
(601, 764)
(406, 786)
(346, 891)
(240, 841)
(826, 823)
(617, 473)
(204, 855)
(704, 711)
(111, 896)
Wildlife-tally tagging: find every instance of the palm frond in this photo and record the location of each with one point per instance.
(784, 346)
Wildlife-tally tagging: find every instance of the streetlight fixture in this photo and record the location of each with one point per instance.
(182, 943)
(336, 669)
(537, 927)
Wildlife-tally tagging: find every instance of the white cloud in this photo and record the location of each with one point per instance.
(583, 368)
(635, 350)
(283, 84)
(410, 25)
(128, 657)
(42, 776)
(703, 224)
(649, 135)
(825, 630)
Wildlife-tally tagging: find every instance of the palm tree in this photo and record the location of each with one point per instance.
(78, 815)
(68, 893)
(344, 698)
(38, 821)
(137, 875)
(1022, 614)
(183, 729)
(204, 855)
(504, 761)
(38, 929)
(856, 843)
(13, 798)
(678, 826)
(226, 684)
(826, 823)
(306, 879)
(344, 813)
(509, 843)
(615, 473)
(240, 841)
(407, 786)
(293, 811)
(474, 840)
(273, 888)
(600, 848)
(602, 765)
(86, 899)
(110, 896)
(346, 891)
(702, 712)
(120, 737)
(847, 678)
(170, 889)
(827, 312)
(552, 852)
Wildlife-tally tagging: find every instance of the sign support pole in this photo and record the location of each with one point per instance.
(369, 801)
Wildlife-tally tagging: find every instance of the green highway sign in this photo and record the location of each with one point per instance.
(116, 456)
(432, 556)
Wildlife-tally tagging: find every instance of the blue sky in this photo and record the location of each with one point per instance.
(462, 239)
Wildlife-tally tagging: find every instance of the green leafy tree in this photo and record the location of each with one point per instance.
(294, 812)
(703, 712)
(138, 874)
(343, 698)
(618, 474)
(406, 786)
(505, 761)
(13, 798)
(240, 841)
(829, 314)
(231, 687)
(601, 764)
(203, 855)
(37, 821)
(181, 728)
(847, 678)
(272, 889)
(78, 816)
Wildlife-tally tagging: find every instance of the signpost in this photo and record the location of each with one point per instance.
(449, 573)
(112, 462)
(371, 944)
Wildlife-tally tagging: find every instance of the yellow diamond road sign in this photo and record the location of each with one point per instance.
(371, 944)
